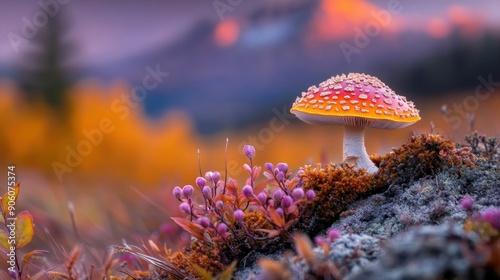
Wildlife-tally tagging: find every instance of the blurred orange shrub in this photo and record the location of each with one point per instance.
(138, 150)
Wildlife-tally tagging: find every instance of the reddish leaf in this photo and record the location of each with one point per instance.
(268, 175)
(304, 248)
(192, 228)
(231, 187)
(275, 217)
(256, 172)
(260, 186)
(271, 233)
(6, 198)
(293, 210)
(4, 240)
(274, 269)
(24, 229)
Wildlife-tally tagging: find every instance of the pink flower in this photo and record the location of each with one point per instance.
(207, 192)
(467, 202)
(239, 215)
(201, 182)
(177, 192)
(262, 196)
(247, 191)
(184, 207)
(310, 195)
(203, 221)
(187, 191)
(222, 228)
(298, 193)
(249, 151)
(278, 195)
(333, 234)
(492, 217)
(286, 202)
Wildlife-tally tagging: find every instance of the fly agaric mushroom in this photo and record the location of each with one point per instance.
(355, 101)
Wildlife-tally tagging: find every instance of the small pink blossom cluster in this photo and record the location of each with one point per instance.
(279, 198)
(325, 242)
(490, 216)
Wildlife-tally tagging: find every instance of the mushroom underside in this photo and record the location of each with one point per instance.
(351, 121)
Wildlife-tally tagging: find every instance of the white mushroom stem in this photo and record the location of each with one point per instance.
(354, 149)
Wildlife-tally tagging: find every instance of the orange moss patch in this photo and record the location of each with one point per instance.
(335, 187)
(424, 155)
(255, 220)
(201, 253)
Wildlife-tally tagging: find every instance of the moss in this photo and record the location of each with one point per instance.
(136, 274)
(201, 253)
(335, 187)
(424, 155)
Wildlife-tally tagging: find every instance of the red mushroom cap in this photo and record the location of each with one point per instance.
(357, 100)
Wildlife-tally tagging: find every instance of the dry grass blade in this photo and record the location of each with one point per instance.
(274, 270)
(72, 262)
(304, 248)
(161, 264)
(227, 274)
(107, 266)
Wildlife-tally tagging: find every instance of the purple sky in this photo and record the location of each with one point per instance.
(112, 29)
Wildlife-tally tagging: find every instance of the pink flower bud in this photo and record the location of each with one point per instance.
(177, 192)
(184, 207)
(222, 228)
(286, 202)
(270, 202)
(492, 217)
(262, 196)
(310, 195)
(249, 151)
(298, 193)
(203, 221)
(301, 173)
(187, 191)
(278, 195)
(280, 176)
(201, 182)
(247, 191)
(333, 234)
(239, 215)
(207, 192)
(269, 166)
(466, 202)
(283, 167)
(219, 205)
(320, 241)
(216, 176)
(280, 212)
(247, 168)
(208, 176)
